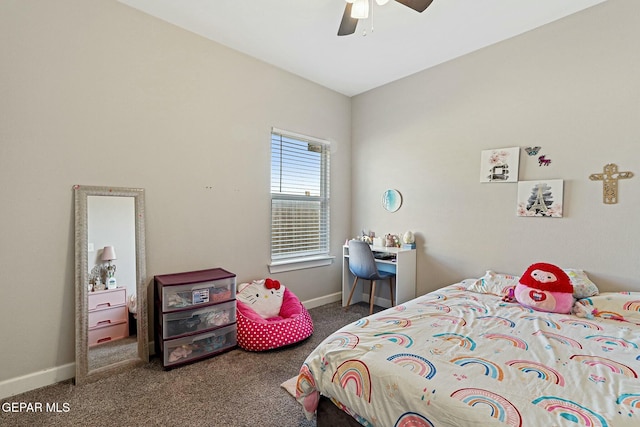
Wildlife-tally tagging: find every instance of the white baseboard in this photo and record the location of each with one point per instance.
(380, 302)
(327, 299)
(35, 380)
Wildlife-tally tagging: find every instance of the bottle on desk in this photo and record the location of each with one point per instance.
(111, 282)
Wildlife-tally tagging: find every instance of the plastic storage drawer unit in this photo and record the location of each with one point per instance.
(197, 294)
(199, 346)
(197, 320)
(195, 315)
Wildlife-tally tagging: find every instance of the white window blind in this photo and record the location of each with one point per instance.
(299, 196)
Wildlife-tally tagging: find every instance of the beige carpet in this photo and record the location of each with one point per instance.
(290, 386)
(228, 390)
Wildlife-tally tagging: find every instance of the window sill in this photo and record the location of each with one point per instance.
(300, 263)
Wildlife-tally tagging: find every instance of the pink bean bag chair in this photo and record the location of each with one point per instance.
(291, 325)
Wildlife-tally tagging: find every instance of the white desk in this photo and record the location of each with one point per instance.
(405, 281)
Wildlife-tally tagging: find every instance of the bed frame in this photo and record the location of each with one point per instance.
(329, 415)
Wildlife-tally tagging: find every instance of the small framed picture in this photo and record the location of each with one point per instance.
(500, 165)
(540, 198)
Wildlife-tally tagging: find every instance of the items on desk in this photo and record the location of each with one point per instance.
(366, 239)
(378, 241)
(408, 237)
(392, 241)
(408, 240)
(405, 240)
(367, 236)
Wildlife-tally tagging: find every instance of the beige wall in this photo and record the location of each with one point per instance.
(571, 87)
(97, 93)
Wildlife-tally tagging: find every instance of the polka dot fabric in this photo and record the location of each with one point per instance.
(257, 334)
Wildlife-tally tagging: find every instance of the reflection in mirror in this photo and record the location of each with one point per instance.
(111, 313)
(112, 320)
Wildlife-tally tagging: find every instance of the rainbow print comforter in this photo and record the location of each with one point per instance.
(458, 358)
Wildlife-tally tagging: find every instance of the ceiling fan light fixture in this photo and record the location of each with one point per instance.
(360, 9)
(355, 10)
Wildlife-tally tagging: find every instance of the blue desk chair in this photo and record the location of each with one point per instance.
(362, 265)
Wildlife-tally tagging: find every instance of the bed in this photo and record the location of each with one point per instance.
(461, 356)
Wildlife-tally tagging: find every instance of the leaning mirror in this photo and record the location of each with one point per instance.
(111, 296)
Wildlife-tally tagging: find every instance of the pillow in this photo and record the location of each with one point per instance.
(545, 287)
(611, 305)
(494, 283)
(262, 296)
(582, 286)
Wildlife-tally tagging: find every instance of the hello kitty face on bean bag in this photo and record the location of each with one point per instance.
(262, 296)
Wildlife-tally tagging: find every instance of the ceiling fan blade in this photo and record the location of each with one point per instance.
(417, 5)
(348, 24)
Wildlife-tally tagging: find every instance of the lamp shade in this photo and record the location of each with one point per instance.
(108, 253)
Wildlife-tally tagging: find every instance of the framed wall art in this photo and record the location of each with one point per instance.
(500, 165)
(540, 198)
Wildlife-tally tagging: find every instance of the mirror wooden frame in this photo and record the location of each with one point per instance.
(83, 374)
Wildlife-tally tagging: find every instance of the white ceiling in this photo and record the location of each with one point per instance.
(300, 35)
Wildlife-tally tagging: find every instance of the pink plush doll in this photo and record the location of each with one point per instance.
(545, 287)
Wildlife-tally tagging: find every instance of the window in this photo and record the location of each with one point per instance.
(299, 201)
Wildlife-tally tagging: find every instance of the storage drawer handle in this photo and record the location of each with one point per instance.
(102, 322)
(104, 304)
(104, 339)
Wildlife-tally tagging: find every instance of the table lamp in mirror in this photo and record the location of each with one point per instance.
(109, 255)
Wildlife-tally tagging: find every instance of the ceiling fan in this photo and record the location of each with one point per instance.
(359, 9)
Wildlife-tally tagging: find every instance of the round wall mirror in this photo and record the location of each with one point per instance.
(391, 200)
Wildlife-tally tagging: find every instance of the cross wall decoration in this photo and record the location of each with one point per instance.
(609, 178)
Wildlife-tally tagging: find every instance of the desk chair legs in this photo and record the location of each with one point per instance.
(353, 288)
(372, 293)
